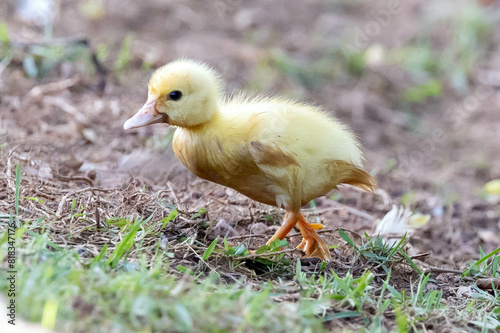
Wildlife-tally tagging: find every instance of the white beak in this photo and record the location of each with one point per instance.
(146, 115)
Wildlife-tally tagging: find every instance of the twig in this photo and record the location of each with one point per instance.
(9, 167)
(322, 231)
(438, 270)
(421, 255)
(356, 212)
(97, 219)
(176, 199)
(201, 259)
(52, 87)
(54, 42)
(254, 255)
(247, 236)
(75, 178)
(60, 208)
(68, 108)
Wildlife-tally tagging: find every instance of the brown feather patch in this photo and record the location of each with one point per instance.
(346, 173)
(271, 155)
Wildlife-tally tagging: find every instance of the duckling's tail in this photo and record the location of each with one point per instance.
(346, 173)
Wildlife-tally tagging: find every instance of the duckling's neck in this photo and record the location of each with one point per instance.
(206, 125)
(201, 116)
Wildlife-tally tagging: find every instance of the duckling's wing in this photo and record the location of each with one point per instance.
(271, 155)
(283, 172)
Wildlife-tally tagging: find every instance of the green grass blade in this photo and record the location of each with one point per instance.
(124, 245)
(52, 244)
(210, 249)
(200, 212)
(486, 257)
(431, 298)
(384, 286)
(173, 214)
(420, 290)
(18, 188)
(397, 247)
(365, 280)
(412, 264)
(340, 315)
(184, 270)
(344, 236)
(494, 267)
(101, 254)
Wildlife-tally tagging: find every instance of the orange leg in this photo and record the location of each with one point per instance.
(289, 222)
(312, 244)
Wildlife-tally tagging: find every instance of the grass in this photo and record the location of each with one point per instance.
(128, 289)
(136, 286)
(140, 296)
(68, 291)
(110, 292)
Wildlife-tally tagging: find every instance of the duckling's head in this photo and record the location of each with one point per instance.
(183, 93)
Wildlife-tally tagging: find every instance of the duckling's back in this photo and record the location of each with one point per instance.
(303, 130)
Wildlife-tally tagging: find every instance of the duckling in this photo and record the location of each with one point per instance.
(274, 150)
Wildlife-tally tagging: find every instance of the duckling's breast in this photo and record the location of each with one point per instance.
(224, 160)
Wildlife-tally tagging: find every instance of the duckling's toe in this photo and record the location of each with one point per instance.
(314, 247)
(316, 226)
(312, 244)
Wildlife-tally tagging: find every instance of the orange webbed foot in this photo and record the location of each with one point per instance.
(312, 244)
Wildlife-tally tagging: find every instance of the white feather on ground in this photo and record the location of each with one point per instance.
(397, 222)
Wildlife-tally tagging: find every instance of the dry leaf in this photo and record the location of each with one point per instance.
(487, 284)
(493, 187)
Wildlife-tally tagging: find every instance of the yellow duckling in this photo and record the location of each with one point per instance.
(273, 150)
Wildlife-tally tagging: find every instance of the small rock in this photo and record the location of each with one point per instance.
(163, 241)
(488, 236)
(91, 174)
(258, 228)
(431, 287)
(90, 135)
(309, 261)
(273, 228)
(223, 229)
(72, 162)
(83, 252)
(437, 211)
(244, 19)
(464, 291)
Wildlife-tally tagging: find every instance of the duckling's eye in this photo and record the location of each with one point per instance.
(175, 95)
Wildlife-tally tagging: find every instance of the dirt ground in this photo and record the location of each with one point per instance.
(66, 128)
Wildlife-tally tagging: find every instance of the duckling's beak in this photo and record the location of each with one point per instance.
(146, 115)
